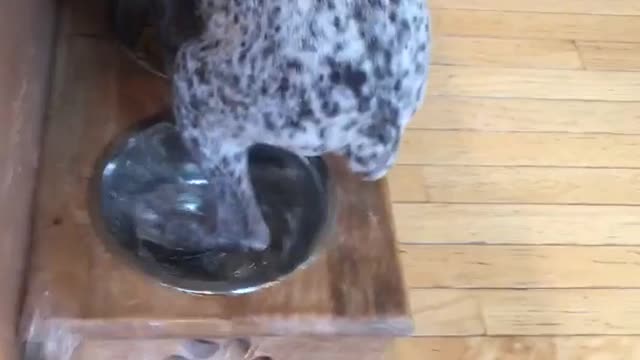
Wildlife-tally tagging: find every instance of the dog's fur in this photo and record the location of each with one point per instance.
(311, 76)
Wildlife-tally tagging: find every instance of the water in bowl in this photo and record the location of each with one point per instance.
(158, 206)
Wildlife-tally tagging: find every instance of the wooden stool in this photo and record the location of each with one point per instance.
(85, 303)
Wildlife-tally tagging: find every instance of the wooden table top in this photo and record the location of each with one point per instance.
(77, 285)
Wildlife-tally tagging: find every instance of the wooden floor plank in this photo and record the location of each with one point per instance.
(522, 267)
(610, 56)
(518, 348)
(420, 147)
(531, 25)
(546, 54)
(534, 83)
(517, 224)
(522, 185)
(519, 175)
(442, 312)
(603, 7)
(492, 114)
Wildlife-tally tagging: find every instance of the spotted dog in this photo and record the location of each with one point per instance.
(310, 76)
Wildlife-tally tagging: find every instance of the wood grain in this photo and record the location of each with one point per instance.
(513, 176)
(26, 29)
(424, 147)
(519, 348)
(534, 83)
(596, 7)
(443, 312)
(78, 288)
(521, 267)
(531, 25)
(526, 53)
(610, 56)
(334, 348)
(521, 185)
(527, 115)
(517, 224)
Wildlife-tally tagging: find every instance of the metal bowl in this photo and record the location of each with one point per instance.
(295, 195)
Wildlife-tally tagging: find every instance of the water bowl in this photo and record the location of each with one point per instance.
(151, 165)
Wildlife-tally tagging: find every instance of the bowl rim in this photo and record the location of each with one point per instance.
(319, 245)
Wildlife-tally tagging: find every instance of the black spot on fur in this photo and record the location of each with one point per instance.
(201, 73)
(387, 58)
(331, 62)
(294, 65)
(197, 104)
(359, 159)
(330, 109)
(373, 45)
(364, 104)
(354, 79)
(269, 50)
(358, 12)
(273, 16)
(308, 45)
(283, 88)
(194, 143)
(294, 123)
(397, 86)
(405, 26)
(225, 162)
(305, 110)
(243, 56)
(334, 77)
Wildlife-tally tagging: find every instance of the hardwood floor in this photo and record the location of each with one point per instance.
(517, 191)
